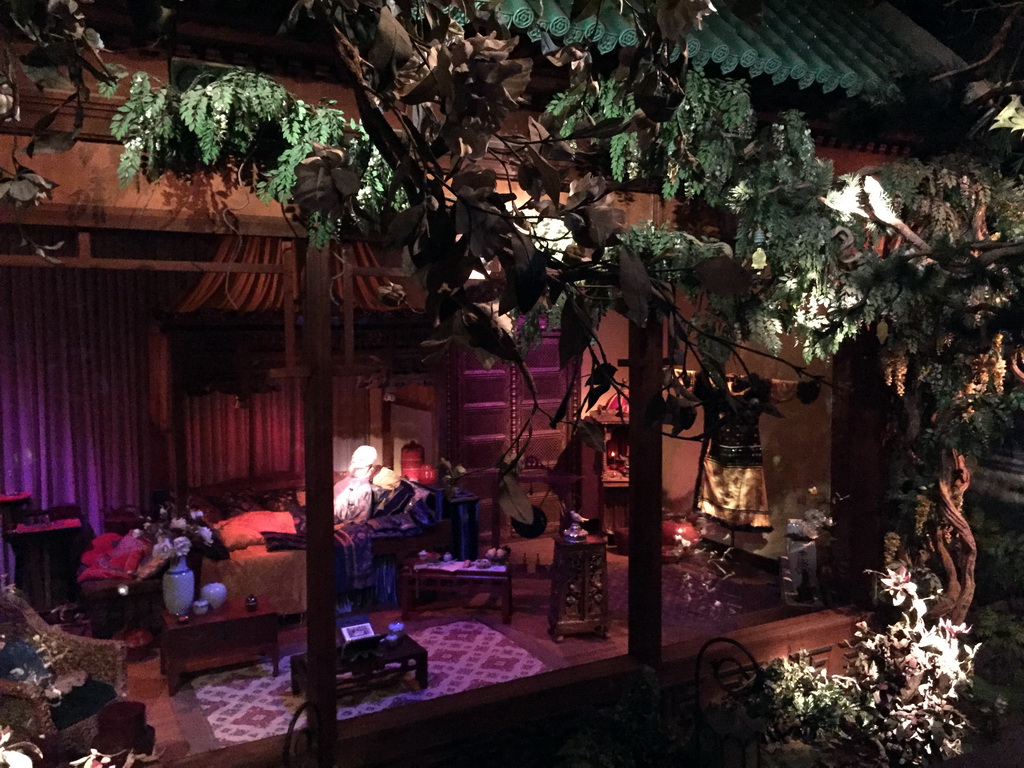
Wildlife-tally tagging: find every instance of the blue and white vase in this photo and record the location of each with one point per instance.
(179, 587)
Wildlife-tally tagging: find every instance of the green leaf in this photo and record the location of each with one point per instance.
(576, 332)
(591, 433)
(513, 499)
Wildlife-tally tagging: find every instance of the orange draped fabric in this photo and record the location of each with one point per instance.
(240, 291)
(252, 292)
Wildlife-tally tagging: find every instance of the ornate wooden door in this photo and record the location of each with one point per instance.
(484, 411)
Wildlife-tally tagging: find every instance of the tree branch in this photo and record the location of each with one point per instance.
(998, 43)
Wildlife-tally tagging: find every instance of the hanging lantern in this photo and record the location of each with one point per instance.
(759, 259)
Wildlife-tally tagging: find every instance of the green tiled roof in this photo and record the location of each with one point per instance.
(830, 45)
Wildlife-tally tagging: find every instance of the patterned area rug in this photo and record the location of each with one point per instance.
(249, 703)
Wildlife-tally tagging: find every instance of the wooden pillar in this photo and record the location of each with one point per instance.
(386, 431)
(860, 471)
(318, 406)
(179, 429)
(645, 376)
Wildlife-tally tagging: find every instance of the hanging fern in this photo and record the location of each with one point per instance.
(248, 123)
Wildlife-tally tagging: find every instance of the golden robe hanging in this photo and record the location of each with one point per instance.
(731, 488)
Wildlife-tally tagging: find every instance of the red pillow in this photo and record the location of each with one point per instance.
(100, 546)
(128, 553)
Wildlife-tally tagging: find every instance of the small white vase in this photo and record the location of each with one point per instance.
(215, 594)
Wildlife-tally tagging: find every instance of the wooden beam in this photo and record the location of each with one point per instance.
(377, 271)
(318, 407)
(137, 265)
(60, 214)
(645, 484)
(302, 371)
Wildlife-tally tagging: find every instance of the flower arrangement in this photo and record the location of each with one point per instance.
(174, 535)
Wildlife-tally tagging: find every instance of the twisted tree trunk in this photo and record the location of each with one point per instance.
(959, 594)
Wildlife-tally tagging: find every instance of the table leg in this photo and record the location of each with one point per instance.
(421, 670)
(298, 665)
(173, 680)
(506, 608)
(405, 587)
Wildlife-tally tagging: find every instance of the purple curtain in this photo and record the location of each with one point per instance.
(72, 386)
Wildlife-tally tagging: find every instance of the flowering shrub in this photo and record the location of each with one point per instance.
(896, 707)
(914, 674)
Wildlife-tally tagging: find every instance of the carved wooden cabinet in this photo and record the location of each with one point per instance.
(579, 588)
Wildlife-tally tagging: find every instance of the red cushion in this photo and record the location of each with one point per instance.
(100, 546)
(128, 553)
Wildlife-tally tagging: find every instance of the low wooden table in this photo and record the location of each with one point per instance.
(417, 578)
(229, 635)
(366, 672)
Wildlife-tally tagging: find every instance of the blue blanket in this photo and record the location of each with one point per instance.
(353, 558)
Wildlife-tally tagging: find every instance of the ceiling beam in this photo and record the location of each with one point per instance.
(137, 265)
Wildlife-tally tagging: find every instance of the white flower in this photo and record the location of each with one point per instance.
(196, 514)
(181, 546)
(178, 524)
(206, 535)
(136, 533)
(163, 549)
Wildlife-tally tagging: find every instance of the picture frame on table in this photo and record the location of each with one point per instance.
(357, 632)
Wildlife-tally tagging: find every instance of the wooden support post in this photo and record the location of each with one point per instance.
(386, 430)
(318, 406)
(179, 430)
(289, 294)
(348, 302)
(645, 449)
(84, 245)
(860, 466)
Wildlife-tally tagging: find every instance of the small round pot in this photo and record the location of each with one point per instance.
(215, 593)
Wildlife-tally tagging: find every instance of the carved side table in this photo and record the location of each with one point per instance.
(579, 583)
